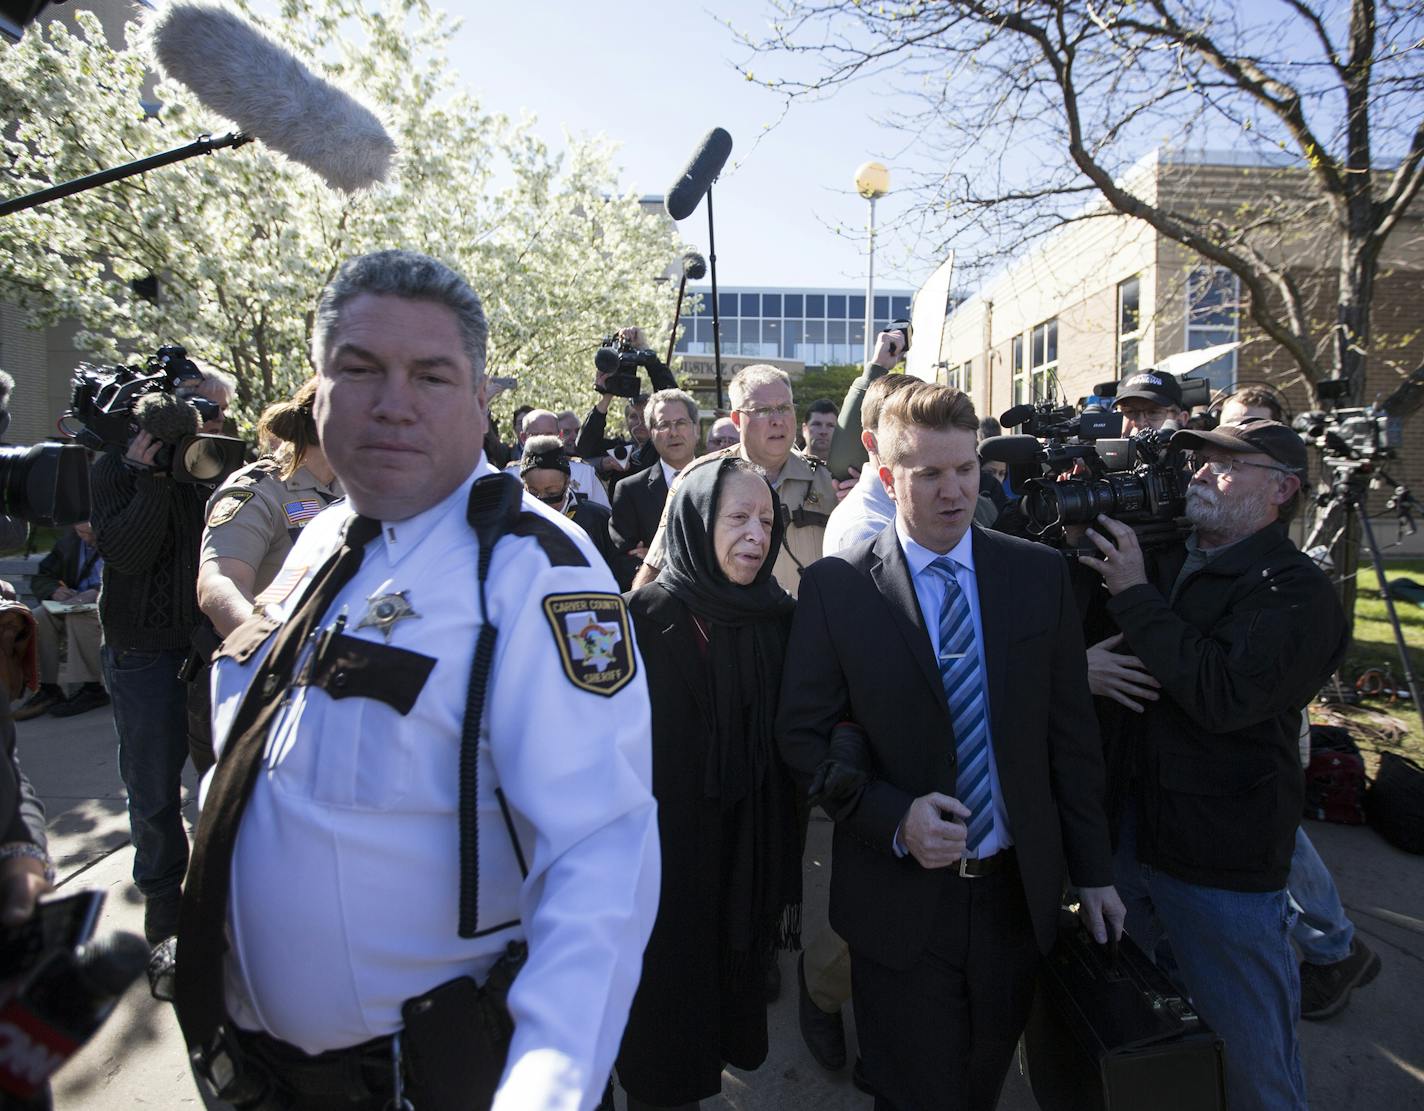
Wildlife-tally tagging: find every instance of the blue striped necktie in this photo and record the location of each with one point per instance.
(963, 681)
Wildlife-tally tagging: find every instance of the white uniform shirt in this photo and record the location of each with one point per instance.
(345, 876)
(862, 514)
(929, 590)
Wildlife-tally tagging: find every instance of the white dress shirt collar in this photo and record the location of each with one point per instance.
(669, 473)
(919, 557)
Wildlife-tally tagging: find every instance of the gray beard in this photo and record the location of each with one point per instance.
(1232, 519)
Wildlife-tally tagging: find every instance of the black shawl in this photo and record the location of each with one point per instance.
(746, 630)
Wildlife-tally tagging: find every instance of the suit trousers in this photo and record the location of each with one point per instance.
(940, 1035)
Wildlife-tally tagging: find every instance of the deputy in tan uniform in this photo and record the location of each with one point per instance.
(766, 419)
(256, 516)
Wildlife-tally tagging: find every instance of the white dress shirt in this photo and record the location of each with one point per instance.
(345, 876)
(861, 515)
(669, 473)
(929, 590)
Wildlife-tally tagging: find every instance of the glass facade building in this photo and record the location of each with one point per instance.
(820, 327)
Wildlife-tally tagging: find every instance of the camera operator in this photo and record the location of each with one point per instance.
(148, 528)
(1229, 635)
(593, 444)
(1148, 400)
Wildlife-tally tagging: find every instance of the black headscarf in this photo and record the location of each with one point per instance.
(746, 633)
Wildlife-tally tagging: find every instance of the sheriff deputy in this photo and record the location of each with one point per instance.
(411, 882)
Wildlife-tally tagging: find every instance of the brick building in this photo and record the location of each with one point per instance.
(1107, 295)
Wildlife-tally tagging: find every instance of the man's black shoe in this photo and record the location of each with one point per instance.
(857, 1077)
(1325, 988)
(160, 916)
(43, 701)
(89, 697)
(824, 1034)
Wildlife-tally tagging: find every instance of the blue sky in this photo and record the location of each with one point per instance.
(654, 78)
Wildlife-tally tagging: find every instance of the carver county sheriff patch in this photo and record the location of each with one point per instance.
(227, 507)
(595, 647)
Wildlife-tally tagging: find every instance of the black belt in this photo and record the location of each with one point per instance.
(985, 866)
(357, 1072)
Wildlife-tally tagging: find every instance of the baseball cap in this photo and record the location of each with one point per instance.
(1156, 386)
(1268, 437)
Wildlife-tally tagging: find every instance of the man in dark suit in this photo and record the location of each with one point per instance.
(638, 500)
(960, 654)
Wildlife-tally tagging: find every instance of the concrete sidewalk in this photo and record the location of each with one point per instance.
(1369, 1057)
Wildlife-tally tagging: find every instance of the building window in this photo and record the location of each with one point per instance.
(1043, 354)
(1129, 325)
(1020, 371)
(1213, 317)
(961, 377)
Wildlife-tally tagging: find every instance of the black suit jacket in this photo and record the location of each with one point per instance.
(860, 651)
(637, 508)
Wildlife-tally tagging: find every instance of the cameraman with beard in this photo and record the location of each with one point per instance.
(148, 528)
(1229, 635)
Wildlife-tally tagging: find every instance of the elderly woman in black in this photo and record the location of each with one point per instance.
(712, 633)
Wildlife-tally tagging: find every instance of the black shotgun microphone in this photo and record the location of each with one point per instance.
(1010, 449)
(241, 74)
(1012, 418)
(688, 191)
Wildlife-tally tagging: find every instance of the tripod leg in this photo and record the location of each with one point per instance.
(1378, 561)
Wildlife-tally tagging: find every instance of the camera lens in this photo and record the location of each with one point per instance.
(47, 484)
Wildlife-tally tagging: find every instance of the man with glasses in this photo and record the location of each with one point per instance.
(766, 420)
(1148, 400)
(1234, 631)
(638, 500)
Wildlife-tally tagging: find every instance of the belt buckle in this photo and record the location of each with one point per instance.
(964, 863)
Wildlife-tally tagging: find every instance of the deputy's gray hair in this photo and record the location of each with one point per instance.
(7, 387)
(663, 397)
(407, 274)
(750, 377)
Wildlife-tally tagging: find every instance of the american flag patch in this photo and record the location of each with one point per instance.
(299, 511)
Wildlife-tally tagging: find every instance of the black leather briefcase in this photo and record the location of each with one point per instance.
(1113, 1034)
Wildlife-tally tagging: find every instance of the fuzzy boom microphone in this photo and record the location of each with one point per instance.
(241, 74)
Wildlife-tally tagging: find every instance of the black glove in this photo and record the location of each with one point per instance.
(842, 774)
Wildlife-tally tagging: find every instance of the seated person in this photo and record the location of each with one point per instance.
(544, 470)
(69, 574)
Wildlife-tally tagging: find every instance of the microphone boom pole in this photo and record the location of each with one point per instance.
(716, 318)
(204, 144)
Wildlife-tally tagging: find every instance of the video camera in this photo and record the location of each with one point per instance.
(1071, 467)
(104, 401)
(620, 360)
(1347, 436)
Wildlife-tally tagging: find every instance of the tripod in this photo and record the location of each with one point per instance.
(1344, 505)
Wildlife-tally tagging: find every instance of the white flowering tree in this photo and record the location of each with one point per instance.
(241, 241)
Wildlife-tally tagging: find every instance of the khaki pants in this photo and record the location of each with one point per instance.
(78, 635)
(827, 970)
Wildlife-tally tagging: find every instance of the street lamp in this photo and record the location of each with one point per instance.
(872, 181)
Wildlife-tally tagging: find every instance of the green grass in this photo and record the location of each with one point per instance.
(1379, 722)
